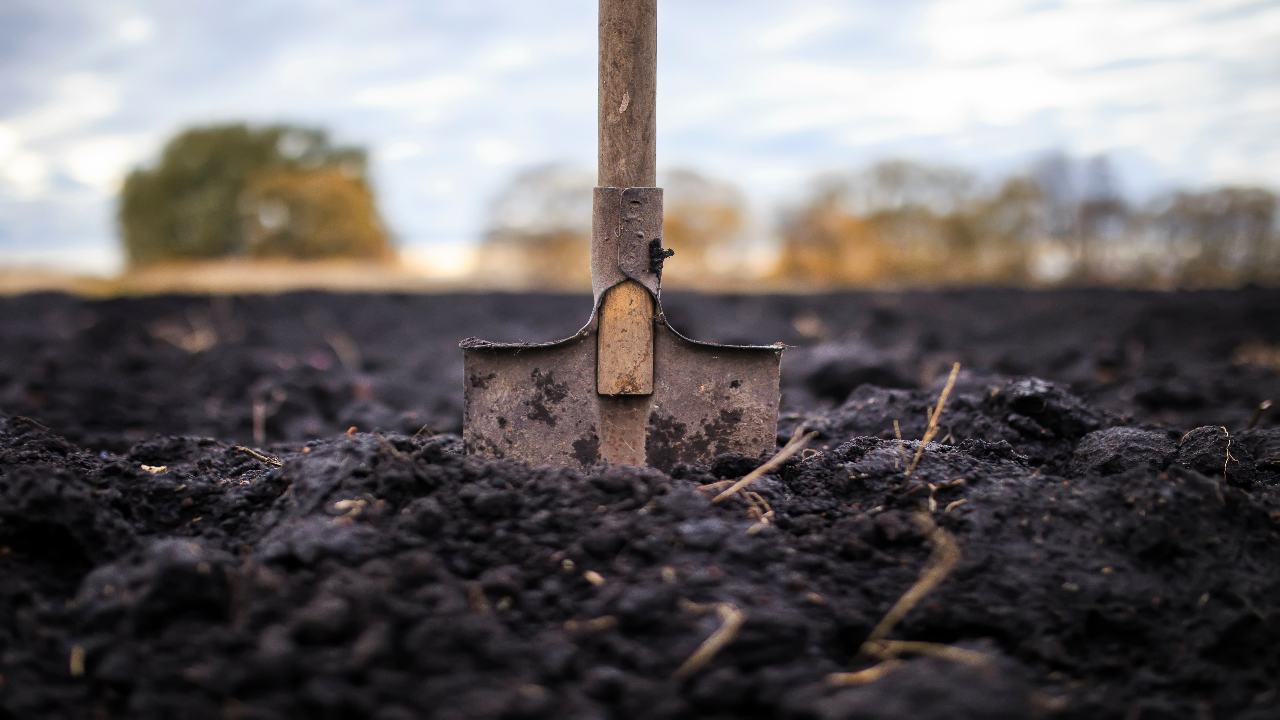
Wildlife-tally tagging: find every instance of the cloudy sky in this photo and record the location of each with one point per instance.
(454, 96)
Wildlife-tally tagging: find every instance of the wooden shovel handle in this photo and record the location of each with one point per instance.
(628, 93)
(627, 158)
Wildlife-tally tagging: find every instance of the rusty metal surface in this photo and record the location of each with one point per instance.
(538, 403)
(626, 225)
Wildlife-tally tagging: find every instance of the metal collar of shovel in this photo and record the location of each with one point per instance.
(626, 388)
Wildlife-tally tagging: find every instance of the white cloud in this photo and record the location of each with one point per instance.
(75, 101)
(451, 98)
(135, 30)
(807, 23)
(101, 162)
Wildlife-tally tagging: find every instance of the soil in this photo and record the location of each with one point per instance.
(259, 507)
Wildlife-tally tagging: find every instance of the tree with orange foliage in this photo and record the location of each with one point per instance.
(311, 214)
(238, 190)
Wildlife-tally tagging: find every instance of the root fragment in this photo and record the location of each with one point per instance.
(1229, 457)
(931, 429)
(731, 619)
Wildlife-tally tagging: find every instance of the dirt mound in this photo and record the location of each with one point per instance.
(1104, 571)
(1102, 466)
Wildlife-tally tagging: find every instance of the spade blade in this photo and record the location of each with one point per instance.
(538, 402)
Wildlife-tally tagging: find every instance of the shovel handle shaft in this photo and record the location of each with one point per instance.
(627, 158)
(628, 93)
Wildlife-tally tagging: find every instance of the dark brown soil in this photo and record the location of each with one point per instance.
(1118, 519)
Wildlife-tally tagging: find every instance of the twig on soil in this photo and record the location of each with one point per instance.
(271, 460)
(731, 619)
(931, 429)
(793, 446)
(941, 562)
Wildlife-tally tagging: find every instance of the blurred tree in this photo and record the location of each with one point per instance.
(1221, 236)
(311, 214)
(193, 203)
(824, 243)
(704, 221)
(898, 221)
(539, 232)
(1103, 220)
(1007, 225)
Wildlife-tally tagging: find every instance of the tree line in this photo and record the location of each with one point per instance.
(284, 191)
(1060, 221)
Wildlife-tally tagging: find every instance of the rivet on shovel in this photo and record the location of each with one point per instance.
(626, 388)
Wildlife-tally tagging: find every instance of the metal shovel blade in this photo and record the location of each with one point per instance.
(538, 403)
(626, 388)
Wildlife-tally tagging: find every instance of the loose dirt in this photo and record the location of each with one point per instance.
(188, 528)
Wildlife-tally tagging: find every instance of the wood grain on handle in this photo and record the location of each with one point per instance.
(627, 158)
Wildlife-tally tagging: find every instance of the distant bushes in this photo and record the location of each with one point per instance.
(1058, 221)
(262, 192)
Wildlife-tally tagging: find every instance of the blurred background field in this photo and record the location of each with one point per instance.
(811, 145)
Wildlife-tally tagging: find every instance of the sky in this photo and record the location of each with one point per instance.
(453, 97)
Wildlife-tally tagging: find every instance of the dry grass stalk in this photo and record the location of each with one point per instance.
(943, 559)
(1258, 412)
(863, 677)
(902, 449)
(931, 429)
(731, 619)
(271, 460)
(760, 509)
(890, 650)
(346, 350)
(596, 624)
(392, 450)
(797, 442)
(75, 664)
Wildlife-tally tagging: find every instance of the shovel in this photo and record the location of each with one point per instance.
(626, 388)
